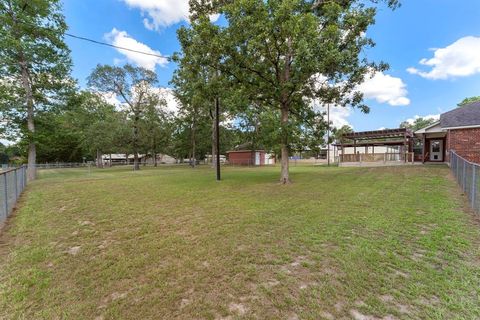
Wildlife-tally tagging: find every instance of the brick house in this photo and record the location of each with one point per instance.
(457, 130)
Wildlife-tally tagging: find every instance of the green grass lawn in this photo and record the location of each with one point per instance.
(172, 243)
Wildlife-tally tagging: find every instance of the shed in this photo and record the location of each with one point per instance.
(248, 157)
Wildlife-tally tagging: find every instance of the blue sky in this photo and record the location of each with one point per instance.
(444, 33)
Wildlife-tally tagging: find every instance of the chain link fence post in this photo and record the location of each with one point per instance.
(6, 193)
(473, 184)
(466, 177)
(13, 183)
(16, 183)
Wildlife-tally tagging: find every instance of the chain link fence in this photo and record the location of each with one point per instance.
(12, 184)
(467, 175)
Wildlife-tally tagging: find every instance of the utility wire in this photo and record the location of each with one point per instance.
(97, 42)
(117, 47)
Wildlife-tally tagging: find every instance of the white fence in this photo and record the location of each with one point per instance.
(467, 175)
(12, 184)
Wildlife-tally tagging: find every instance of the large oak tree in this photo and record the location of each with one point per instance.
(283, 53)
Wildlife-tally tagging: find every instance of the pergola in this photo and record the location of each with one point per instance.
(401, 137)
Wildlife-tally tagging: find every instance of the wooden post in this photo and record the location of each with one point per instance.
(217, 136)
(355, 149)
(328, 134)
(423, 148)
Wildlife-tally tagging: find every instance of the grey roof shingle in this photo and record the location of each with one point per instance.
(468, 115)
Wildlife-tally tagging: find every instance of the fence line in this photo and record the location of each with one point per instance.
(12, 184)
(61, 165)
(467, 175)
(377, 157)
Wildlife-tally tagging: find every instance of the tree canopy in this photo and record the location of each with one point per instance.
(282, 54)
(34, 65)
(468, 101)
(418, 123)
(135, 87)
(265, 66)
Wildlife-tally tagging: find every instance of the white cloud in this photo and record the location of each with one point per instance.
(163, 13)
(214, 17)
(385, 89)
(122, 39)
(338, 115)
(169, 96)
(379, 86)
(435, 117)
(7, 142)
(110, 98)
(460, 59)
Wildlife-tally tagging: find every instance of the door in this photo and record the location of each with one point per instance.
(257, 158)
(436, 150)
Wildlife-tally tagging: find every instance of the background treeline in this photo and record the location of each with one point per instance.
(270, 68)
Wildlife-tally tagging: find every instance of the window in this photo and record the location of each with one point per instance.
(435, 146)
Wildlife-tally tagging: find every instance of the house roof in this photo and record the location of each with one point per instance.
(379, 134)
(433, 128)
(466, 116)
(372, 144)
(245, 151)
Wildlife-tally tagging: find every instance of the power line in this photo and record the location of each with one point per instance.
(116, 47)
(97, 42)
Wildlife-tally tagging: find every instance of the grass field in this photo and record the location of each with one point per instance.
(171, 243)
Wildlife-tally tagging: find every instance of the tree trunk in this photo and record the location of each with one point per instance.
(136, 164)
(285, 105)
(32, 150)
(32, 159)
(284, 176)
(27, 86)
(154, 151)
(193, 141)
(99, 159)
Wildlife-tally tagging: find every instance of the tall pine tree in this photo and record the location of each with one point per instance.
(34, 64)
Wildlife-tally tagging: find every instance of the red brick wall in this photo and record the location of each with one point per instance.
(466, 143)
(245, 158)
(241, 158)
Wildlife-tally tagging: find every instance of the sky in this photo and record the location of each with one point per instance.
(432, 47)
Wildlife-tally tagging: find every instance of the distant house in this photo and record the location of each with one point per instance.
(114, 159)
(457, 130)
(161, 159)
(122, 158)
